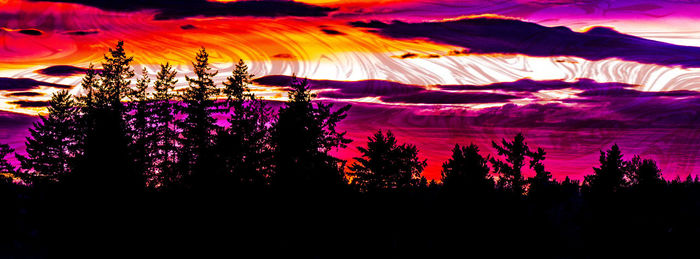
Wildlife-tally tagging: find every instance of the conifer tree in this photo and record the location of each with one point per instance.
(643, 173)
(7, 170)
(466, 171)
(137, 122)
(245, 147)
(610, 176)
(105, 162)
(510, 170)
(304, 134)
(198, 126)
(542, 181)
(163, 138)
(53, 142)
(386, 165)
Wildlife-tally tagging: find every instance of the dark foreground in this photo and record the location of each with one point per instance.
(428, 223)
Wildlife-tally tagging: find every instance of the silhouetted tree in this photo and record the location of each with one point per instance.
(7, 170)
(610, 176)
(163, 134)
(244, 147)
(105, 163)
(466, 171)
(137, 121)
(510, 170)
(644, 173)
(542, 182)
(386, 165)
(198, 127)
(53, 142)
(304, 134)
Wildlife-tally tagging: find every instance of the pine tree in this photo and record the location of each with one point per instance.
(643, 173)
(198, 127)
(53, 142)
(105, 162)
(304, 134)
(245, 147)
(137, 122)
(7, 170)
(510, 170)
(610, 176)
(163, 136)
(542, 181)
(386, 165)
(466, 171)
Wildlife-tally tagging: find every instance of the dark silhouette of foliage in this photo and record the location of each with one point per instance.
(198, 127)
(466, 171)
(163, 142)
(386, 165)
(7, 170)
(644, 172)
(510, 170)
(610, 176)
(106, 162)
(245, 148)
(53, 143)
(303, 135)
(137, 121)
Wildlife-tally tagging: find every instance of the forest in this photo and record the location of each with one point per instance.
(142, 169)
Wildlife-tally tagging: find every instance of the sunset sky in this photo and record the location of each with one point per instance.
(574, 76)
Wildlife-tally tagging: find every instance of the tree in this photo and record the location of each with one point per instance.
(386, 165)
(137, 121)
(643, 173)
(198, 127)
(466, 171)
(163, 140)
(105, 162)
(610, 176)
(53, 142)
(7, 170)
(542, 181)
(304, 134)
(510, 170)
(244, 147)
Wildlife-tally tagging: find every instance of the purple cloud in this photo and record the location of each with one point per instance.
(490, 35)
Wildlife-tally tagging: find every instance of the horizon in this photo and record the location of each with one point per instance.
(429, 91)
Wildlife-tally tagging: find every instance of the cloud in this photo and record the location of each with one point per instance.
(440, 97)
(332, 32)
(81, 32)
(493, 35)
(168, 10)
(31, 104)
(529, 85)
(283, 55)
(62, 70)
(24, 94)
(24, 84)
(188, 27)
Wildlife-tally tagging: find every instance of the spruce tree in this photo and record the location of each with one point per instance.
(386, 165)
(137, 121)
(244, 146)
(198, 127)
(105, 163)
(163, 138)
(304, 134)
(466, 171)
(7, 170)
(53, 141)
(510, 170)
(610, 175)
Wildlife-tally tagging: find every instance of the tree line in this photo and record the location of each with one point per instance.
(164, 139)
(123, 147)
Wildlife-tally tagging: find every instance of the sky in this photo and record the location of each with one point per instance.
(575, 77)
